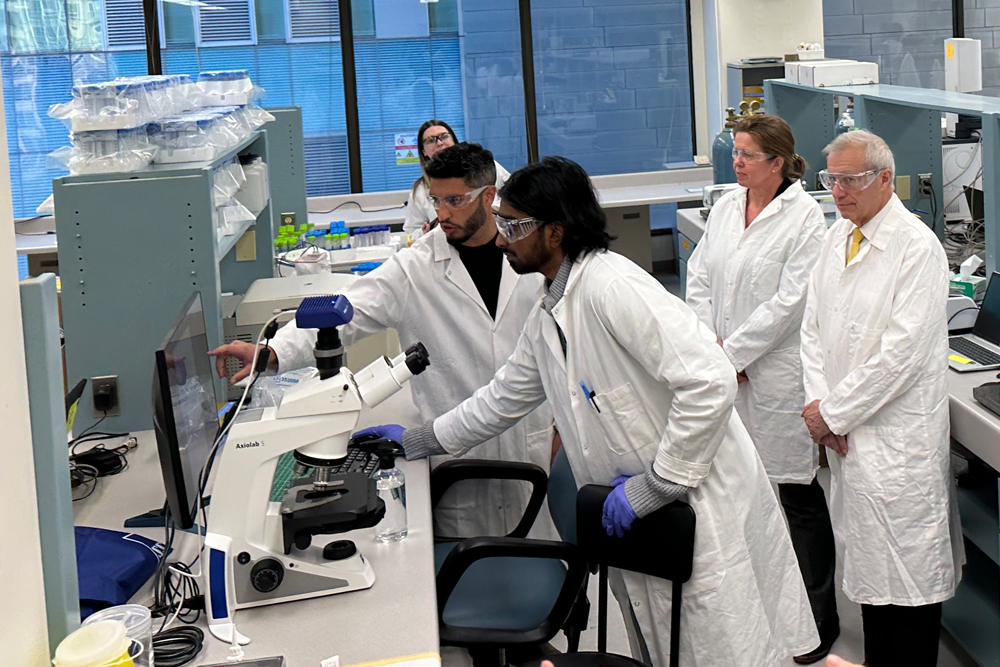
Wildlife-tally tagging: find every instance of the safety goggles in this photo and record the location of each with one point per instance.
(515, 229)
(751, 156)
(437, 139)
(455, 202)
(848, 182)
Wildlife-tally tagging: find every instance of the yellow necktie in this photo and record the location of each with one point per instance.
(856, 237)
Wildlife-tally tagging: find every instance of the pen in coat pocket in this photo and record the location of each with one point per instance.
(589, 395)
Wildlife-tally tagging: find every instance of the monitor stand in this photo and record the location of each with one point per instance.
(156, 519)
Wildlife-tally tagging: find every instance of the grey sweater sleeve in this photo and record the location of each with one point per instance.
(648, 492)
(420, 442)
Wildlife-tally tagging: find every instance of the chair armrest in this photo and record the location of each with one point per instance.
(451, 472)
(468, 552)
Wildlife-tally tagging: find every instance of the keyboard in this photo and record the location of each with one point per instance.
(358, 460)
(974, 351)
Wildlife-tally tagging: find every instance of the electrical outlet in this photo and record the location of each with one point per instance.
(288, 218)
(924, 185)
(105, 395)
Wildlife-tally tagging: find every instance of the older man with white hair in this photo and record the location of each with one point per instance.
(875, 359)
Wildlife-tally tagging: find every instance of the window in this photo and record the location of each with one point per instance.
(225, 23)
(289, 58)
(312, 20)
(612, 80)
(123, 20)
(48, 47)
(612, 84)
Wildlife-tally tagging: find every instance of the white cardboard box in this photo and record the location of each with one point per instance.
(827, 73)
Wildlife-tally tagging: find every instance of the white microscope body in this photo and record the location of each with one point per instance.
(248, 560)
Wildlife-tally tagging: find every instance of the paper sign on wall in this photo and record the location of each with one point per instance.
(406, 149)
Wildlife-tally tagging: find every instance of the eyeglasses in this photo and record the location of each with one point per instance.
(751, 156)
(848, 182)
(515, 229)
(455, 202)
(437, 138)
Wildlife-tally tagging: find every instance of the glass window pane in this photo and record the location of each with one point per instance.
(907, 44)
(416, 65)
(45, 49)
(612, 83)
(294, 57)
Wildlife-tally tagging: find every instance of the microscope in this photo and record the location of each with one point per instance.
(259, 552)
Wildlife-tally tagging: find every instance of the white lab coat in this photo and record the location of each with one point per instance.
(426, 294)
(875, 353)
(748, 284)
(420, 210)
(665, 392)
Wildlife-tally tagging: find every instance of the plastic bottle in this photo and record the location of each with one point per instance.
(392, 490)
(845, 123)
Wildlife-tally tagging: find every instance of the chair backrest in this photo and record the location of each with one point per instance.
(660, 544)
(562, 497)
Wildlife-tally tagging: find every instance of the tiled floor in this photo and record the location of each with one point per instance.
(850, 645)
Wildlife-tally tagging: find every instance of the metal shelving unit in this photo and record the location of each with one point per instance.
(132, 249)
(909, 119)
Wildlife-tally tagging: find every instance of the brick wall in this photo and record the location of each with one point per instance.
(905, 37)
(611, 81)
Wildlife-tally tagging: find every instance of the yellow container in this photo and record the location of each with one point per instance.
(102, 644)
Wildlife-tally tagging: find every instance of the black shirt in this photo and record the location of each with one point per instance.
(485, 265)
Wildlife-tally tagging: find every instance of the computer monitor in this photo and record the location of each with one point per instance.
(185, 417)
(987, 324)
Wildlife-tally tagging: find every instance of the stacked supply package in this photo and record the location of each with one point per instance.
(125, 124)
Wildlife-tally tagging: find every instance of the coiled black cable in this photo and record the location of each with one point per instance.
(177, 646)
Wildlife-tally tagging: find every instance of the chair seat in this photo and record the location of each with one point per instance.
(587, 659)
(502, 593)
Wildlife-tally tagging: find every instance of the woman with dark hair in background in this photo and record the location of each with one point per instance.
(747, 281)
(433, 137)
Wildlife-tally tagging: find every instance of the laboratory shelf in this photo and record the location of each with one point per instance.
(921, 98)
(227, 243)
(980, 523)
(132, 249)
(909, 119)
(972, 617)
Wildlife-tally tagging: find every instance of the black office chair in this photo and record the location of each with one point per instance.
(500, 593)
(660, 545)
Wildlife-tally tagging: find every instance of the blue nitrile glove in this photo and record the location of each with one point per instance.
(618, 513)
(392, 432)
(618, 481)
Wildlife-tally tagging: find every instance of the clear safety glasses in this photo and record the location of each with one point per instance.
(515, 229)
(455, 202)
(848, 182)
(751, 156)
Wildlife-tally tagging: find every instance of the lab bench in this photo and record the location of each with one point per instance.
(394, 619)
(625, 198)
(973, 615)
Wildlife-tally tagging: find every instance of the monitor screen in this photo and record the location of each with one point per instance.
(185, 417)
(988, 320)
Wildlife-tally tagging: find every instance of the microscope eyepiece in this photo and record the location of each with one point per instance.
(417, 359)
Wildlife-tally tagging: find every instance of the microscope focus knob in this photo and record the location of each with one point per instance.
(266, 574)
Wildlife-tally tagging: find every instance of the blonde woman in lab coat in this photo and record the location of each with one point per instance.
(747, 281)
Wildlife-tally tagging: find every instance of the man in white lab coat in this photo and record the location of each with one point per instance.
(454, 292)
(875, 359)
(643, 398)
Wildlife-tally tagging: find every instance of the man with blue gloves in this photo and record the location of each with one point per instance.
(643, 398)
